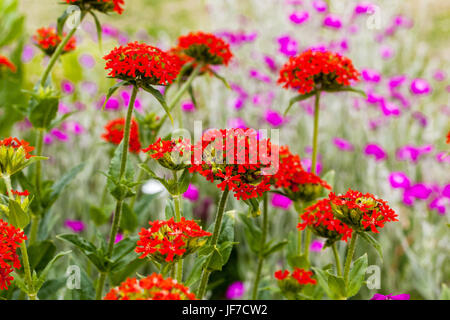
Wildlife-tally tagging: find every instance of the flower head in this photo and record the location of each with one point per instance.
(314, 69)
(233, 157)
(320, 219)
(153, 287)
(10, 240)
(114, 134)
(292, 283)
(169, 240)
(15, 155)
(171, 154)
(6, 63)
(142, 63)
(361, 212)
(47, 39)
(205, 48)
(100, 5)
(295, 182)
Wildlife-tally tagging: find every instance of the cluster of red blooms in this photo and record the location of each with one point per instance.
(233, 156)
(153, 287)
(10, 240)
(361, 211)
(114, 134)
(204, 47)
(323, 69)
(319, 217)
(4, 61)
(165, 150)
(302, 276)
(102, 5)
(294, 180)
(47, 39)
(448, 137)
(142, 62)
(165, 240)
(20, 194)
(16, 143)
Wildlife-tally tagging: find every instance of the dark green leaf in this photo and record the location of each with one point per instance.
(357, 275)
(129, 221)
(160, 99)
(374, 243)
(40, 254)
(298, 98)
(112, 90)
(17, 217)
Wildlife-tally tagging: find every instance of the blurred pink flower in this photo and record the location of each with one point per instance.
(343, 144)
(399, 180)
(332, 21)
(299, 17)
(373, 149)
(420, 87)
(192, 193)
(75, 225)
(280, 201)
(316, 246)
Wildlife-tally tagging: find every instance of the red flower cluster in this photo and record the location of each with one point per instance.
(317, 69)
(20, 194)
(141, 62)
(233, 156)
(319, 217)
(171, 154)
(448, 137)
(114, 134)
(101, 5)
(302, 276)
(165, 240)
(47, 39)
(4, 61)
(205, 47)
(362, 212)
(294, 180)
(16, 144)
(10, 240)
(153, 287)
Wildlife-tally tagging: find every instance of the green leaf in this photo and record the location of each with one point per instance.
(154, 92)
(253, 233)
(374, 243)
(43, 110)
(322, 278)
(98, 27)
(351, 89)
(218, 76)
(129, 221)
(117, 189)
(123, 253)
(43, 276)
(337, 286)
(184, 181)
(88, 249)
(114, 89)
(298, 261)
(98, 215)
(329, 178)
(196, 271)
(62, 21)
(298, 98)
(192, 96)
(169, 209)
(17, 217)
(63, 182)
(40, 254)
(125, 269)
(357, 275)
(274, 248)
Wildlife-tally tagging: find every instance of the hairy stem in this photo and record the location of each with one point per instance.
(337, 259)
(349, 258)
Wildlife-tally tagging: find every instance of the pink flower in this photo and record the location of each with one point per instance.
(299, 17)
(420, 87)
(280, 201)
(412, 153)
(376, 151)
(320, 5)
(274, 118)
(76, 225)
(316, 246)
(371, 75)
(288, 46)
(390, 296)
(332, 21)
(192, 193)
(235, 291)
(399, 180)
(188, 106)
(67, 87)
(343, 144)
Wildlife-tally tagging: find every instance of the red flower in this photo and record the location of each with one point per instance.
(10, 240)
(47, 39)
(20, 194)
(114, 134)
(317, 69)
(153, 287)
(301, 276)
(169, 240)
(171, 154)
(281, 275)
(141, 62)
(4, 61)
(362, 212)
(319, 217)
(296, 183)
(101, 5)
(448, 137)
(16, 144)
(233, 156)
(205, 47)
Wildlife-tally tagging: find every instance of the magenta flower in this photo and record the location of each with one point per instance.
(238, 123)
(87, 61)
(363, 8)
(112, 104)
(60, 135)
(192, 193)
(343, 144)
(119, 238)
(389, 109)
(67, 87)
(396, 81)
(316, 246)
(188, 106)
(320, 5)
(274, 118)
(440, 204)
(307, 164)
(89, 87)
(421, 118)
(386, 52)
(418, 191)
(376, 151)
(235, 290)
(446, 191)
(371, 75)
(299, 17)
(412, 153)
(75, 225)
(332, 21)
(270, 63)
(28, 53)
(288, 46)
(255, 74)
(443, 157)
(439, 75)
(420, 87)
(399, 180)
(48, 139)
(280, 201)
(390, 296)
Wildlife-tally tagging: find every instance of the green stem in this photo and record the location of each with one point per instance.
(316, 131)
(265, 228)
(141, 176)
(348, 259)
(178, 214)
(100, 285)
(214, 239)
(123, 165)
(23, 247)
(35, 220)
(338, 260)
(59, 51)
(299, 233)
(307, 243)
